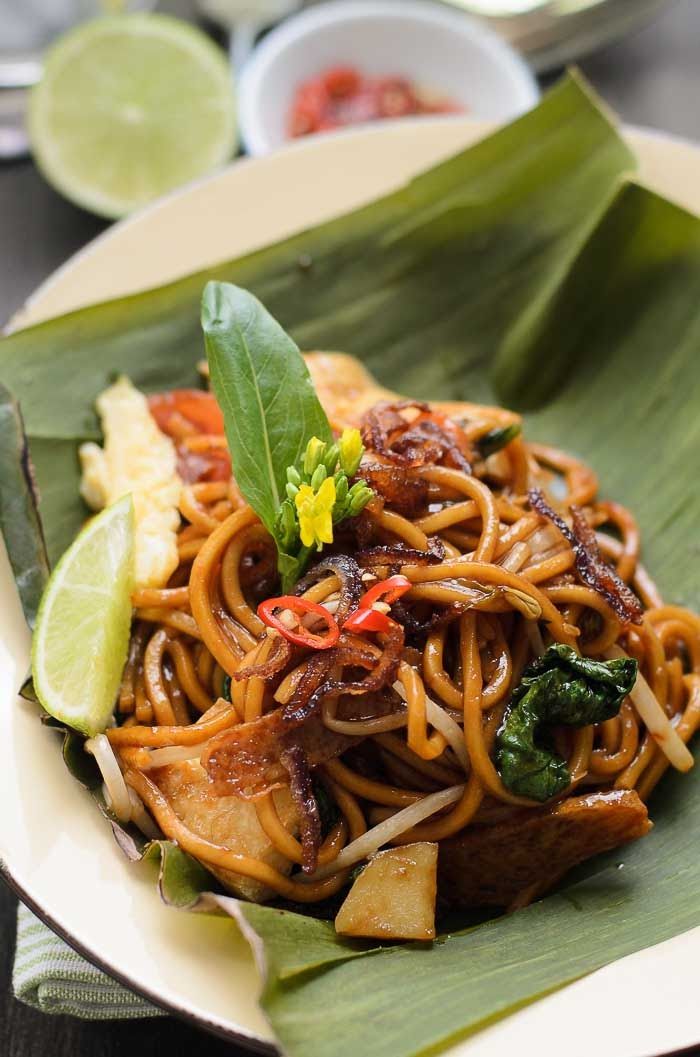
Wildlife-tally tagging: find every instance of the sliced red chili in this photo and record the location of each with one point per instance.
(343, 96)
(341, 81)
(365, 618)
(270, 612)
(389, 591)
(368, 620)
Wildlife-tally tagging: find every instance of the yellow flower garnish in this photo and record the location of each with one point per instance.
(315, 450)
(351, 449)
(315, 510)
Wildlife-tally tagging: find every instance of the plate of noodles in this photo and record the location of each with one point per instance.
(363, 683)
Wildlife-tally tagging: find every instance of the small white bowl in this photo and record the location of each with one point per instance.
(436, 47)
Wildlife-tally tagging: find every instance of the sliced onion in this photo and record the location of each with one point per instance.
(141, 818)
(543, 540)
(363, 728)
(450, 730)
(534, 637)
(375, 838)
(656, 721)
(514, 559)
(117, 790)
(347, 571)
(524, 603)
(175, 754)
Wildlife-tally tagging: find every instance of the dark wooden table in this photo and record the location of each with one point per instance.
(652, 78)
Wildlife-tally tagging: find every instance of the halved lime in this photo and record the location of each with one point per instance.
(129, 107)
(82, 629)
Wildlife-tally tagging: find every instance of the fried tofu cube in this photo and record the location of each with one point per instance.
(227, 821)
(495, 865)
(394, 896)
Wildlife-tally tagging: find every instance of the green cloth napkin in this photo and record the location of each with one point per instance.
(51, 977)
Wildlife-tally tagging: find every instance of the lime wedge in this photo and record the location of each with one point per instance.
(129, 107)
(82, 630)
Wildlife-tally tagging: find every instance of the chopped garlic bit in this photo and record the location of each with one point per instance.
(138, 459)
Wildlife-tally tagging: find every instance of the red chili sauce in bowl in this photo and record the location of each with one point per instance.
(342, 96)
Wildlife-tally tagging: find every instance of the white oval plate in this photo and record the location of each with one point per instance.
(54, 846)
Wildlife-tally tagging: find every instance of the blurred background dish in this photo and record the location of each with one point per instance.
(441, 51)
(550, 33)
(130, 107)
(546, 33)
(27, 28)
(244, 20)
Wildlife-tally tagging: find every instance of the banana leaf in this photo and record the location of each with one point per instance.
(19, 520)
(417, 998)
(531, 270)
(423, 285)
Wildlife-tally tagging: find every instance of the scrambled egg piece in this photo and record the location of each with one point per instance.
(138, 459)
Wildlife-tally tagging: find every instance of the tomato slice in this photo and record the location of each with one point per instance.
(198, 407)
(271, 613)
(182, 413)
(195, 466)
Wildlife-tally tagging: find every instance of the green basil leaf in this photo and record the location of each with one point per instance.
(264, 389)
(559, 687)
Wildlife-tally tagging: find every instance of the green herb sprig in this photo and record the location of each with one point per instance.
(286, 463)
(319, 495)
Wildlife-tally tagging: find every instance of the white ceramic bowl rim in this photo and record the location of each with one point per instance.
(521, 83)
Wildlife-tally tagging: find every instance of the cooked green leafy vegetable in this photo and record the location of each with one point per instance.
(327, 808)
(497, 438)
(558, 688)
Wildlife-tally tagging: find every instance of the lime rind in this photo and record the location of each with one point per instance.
(129, 108)
(81, 637)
